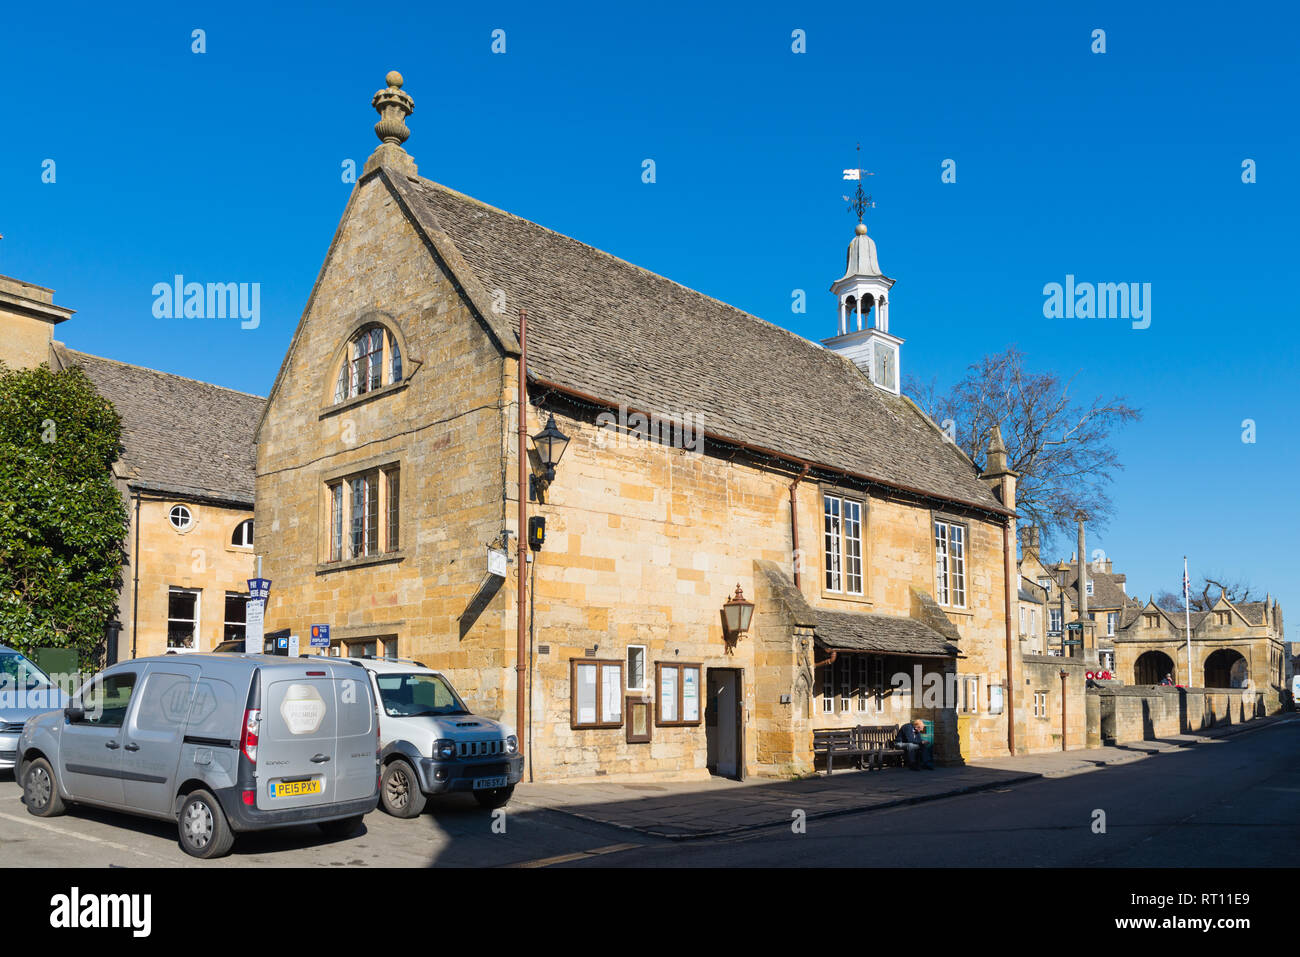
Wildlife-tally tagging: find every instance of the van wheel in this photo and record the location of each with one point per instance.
(41, 790)
(495, 798)
(343, 827)
(203, 827)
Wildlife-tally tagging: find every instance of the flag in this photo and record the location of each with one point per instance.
(853, 174)
(1186, 582)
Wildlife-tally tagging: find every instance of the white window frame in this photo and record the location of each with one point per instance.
(198, 615)
(832, 542)
(969, 687)
(842, 545)
(245, 538)
(645, 660)
(189, 517)
(226, 624)
(1112, 621)
(1058, 616)
(828, 688)
(950, 563)
(862, 666)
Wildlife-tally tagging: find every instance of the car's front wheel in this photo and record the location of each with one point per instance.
(495, 797)
(203, 827)
(41, 790)
(399, 790)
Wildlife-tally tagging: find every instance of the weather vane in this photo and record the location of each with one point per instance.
(860, 201)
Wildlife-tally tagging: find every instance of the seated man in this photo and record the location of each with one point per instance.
(911, 738)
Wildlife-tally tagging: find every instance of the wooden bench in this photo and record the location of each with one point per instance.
(869, 747)
(841, 741)
(878, 744)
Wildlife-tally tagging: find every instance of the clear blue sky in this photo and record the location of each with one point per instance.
(1115, 167)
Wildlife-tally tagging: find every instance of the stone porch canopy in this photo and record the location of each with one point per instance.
(880, 634)
(927, 633)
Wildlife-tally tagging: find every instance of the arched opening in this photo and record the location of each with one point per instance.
(1226, 668)
(1152, 667)
(851, 318)
(371, 360)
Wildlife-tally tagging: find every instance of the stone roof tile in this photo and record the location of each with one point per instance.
(609, 329)
(888, 634)
(179, 436)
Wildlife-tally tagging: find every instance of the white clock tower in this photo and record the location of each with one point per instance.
(863, 331)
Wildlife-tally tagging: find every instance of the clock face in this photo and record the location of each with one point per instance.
(885, 366)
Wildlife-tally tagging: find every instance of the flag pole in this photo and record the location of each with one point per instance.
(1187, 622)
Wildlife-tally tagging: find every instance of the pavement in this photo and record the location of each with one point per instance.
(691, 810)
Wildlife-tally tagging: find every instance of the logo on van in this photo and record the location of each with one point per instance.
(303, 709)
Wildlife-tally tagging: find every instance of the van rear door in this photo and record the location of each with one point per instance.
(314, 728)
(297, 747)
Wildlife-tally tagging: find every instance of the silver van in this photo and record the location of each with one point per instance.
(221, 744)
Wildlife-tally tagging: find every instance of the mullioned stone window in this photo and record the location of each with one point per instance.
(373, 360)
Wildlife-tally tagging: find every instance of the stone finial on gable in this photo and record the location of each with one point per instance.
(1000, 476)
(394, 105)
(995, 457)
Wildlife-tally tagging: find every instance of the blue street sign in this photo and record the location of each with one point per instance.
(320, 636)
(282, 642)
(259, 589)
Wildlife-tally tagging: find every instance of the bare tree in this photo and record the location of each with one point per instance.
(1060, 445)
(1203, 595)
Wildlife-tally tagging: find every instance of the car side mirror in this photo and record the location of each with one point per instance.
(74, 713)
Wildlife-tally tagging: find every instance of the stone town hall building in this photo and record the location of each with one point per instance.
(386, 470)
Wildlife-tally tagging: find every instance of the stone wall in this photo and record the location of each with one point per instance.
(1143, 713)
(200, 558)
(1042, 732)
(443, 426)
(645, 541)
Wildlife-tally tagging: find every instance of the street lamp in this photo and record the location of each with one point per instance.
(550, 444)
(736, 616)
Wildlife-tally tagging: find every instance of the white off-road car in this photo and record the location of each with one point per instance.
(431, 744)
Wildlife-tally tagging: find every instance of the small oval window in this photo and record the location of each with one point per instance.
(180, 518)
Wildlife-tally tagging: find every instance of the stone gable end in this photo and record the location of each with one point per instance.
(442, 426)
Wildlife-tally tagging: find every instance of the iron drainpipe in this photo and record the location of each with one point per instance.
(1007, 560)
(1064, 675)
(794, 524)
(135, 586)
(522, 611)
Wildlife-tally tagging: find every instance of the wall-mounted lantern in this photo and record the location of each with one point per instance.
(550, 444)
(736, 616)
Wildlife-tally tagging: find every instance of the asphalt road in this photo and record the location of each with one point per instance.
(1231, 802)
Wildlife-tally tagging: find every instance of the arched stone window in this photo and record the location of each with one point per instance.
(373, 359)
